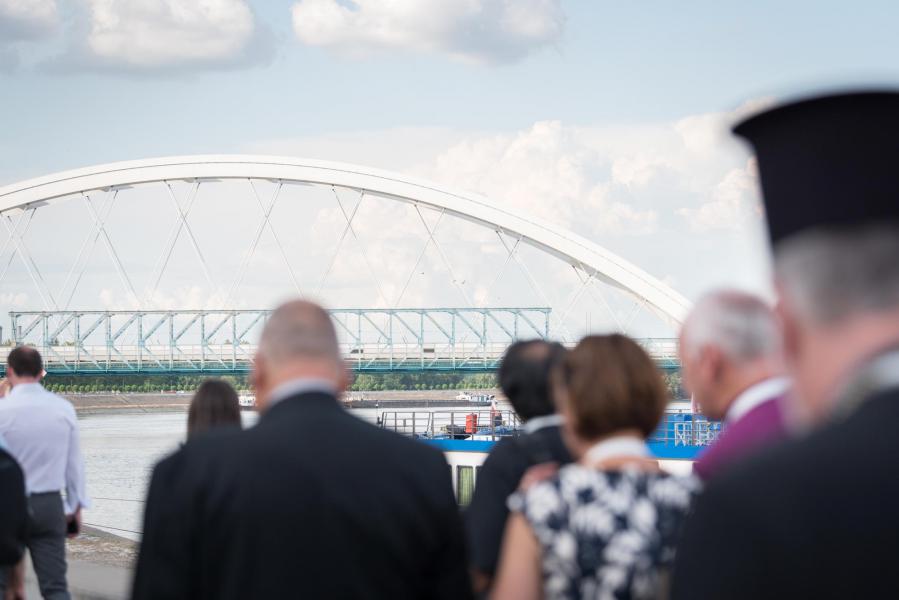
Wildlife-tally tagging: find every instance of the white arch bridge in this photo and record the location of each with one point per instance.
(138, 334)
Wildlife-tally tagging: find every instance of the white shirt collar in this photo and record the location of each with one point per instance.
(617, 446)
(532, 425)
(755, 395)
(300, 386)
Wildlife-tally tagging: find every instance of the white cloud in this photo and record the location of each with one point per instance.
(734, 202)
(474, 30)
(553, 172)
(404, 148)
(154, 34)
(27, 19)
(24, 21)
(13, 299)
(619, 217)
(704, 135)
(676, 197)
(636, 171)
(686, 176)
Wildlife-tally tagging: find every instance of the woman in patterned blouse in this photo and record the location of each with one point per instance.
(606, 526)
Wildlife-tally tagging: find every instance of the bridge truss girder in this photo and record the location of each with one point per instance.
(223, 341)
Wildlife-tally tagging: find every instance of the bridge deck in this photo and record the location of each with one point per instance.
(223, 341)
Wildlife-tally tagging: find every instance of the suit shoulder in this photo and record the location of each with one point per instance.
(766, 463)
(166, 466)
(504, 455)
(205, 449)
(407, 444)
(63, 403)
(786, 471)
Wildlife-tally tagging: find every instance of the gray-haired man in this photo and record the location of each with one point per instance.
(732, 362)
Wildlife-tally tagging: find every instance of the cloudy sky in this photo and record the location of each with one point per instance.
(609, 118)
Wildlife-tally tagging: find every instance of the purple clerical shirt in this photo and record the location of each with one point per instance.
(759, 426)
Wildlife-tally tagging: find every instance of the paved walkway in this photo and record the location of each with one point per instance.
(99, 567)
(89, 581)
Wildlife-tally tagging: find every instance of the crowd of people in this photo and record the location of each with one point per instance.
(794, 500)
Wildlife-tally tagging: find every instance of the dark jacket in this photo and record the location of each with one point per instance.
(13, 510)
(310, 503)
(485, 517)
(813, 518)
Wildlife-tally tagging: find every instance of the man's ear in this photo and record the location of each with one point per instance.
(345, 377)
(259, 377)
(790, 327)
(257, 374)
(711, 363)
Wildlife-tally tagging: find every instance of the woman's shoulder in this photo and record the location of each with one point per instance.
(668, 488)
(576, 483)
(659, 486)
(625, 471)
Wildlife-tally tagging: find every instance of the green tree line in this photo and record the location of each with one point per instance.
(363, 382)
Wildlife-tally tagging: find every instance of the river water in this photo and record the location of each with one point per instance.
(120, 451)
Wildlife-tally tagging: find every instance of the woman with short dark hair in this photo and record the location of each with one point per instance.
(214, 405)
(605, 526)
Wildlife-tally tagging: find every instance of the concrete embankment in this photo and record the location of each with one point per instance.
(179, 402)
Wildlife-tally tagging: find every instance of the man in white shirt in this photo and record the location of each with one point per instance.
(732, 362)
(41, 431)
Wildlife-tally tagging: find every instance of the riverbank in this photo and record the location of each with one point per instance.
(100, 403)
(103, 548)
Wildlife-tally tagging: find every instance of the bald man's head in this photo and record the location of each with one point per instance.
(299, 331)
(298, 343)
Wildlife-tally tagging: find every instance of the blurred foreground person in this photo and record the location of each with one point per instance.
(732, 363)
(41, 432)
(214, 405)
(13, 525)
(816, 517)
(524, 377)
(606, 526)
(311, 502)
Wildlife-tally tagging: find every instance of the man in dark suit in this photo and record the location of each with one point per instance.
(310, 503)
(524, 377)
(817, 517)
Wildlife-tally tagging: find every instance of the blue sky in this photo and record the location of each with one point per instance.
(627, 91)
(615, 62)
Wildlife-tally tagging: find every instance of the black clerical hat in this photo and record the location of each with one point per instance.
(830, 161)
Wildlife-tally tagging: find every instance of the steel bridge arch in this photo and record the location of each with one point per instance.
(595, 260)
